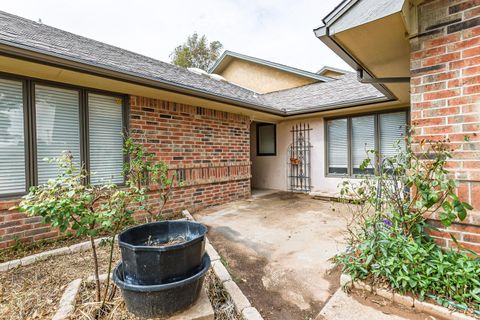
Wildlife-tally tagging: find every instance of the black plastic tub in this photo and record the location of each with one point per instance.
(148, 265)
(163, 299)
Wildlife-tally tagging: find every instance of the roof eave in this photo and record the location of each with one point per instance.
(19, 52)
(29, 54)
(323, 33)
(341, 105)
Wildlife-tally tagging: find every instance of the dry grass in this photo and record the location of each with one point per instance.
(33, 291)
(221, 302)
(87, 309)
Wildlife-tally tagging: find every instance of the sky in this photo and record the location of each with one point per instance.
(277, 30)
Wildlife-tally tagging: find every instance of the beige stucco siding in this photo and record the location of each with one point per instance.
(260, 78)
(270, 172)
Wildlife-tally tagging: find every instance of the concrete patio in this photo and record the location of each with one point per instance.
(278, 245)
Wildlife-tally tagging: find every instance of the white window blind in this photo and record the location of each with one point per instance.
(106, 140)
(363, 140)
(337, 146)
(58, 128)
(12, 147)
(392, 129)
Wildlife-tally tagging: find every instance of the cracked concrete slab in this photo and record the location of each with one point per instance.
(343, 307)
(282, 242)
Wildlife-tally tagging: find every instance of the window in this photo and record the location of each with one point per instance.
(363, 140)
(12, 141)
(266, 139)
(106, 141)
(392, 128)
(58, 128)
(338, 142)
(349, 139)
(62, 118)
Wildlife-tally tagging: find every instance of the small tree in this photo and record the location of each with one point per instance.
(146, 174)
(196, 52)
(66, 202)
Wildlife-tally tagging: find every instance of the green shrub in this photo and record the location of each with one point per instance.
(387, 239)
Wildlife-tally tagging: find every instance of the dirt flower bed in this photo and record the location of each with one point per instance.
(34, 291)
(21, 249)
(86, 308)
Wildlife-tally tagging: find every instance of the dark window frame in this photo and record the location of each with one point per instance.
(29, 120)
(349, 117)
(257, 128)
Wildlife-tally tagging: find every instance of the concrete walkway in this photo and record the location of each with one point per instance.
(278, 245)
(342, 307)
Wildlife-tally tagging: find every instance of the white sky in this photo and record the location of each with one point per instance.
(276, 30)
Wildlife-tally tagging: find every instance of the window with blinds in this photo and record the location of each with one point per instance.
(106, 140)
(350, 138)
(363, 141)
(337, 132)
(58, 128)
(12, 144)
(84, 123)
(392, 133)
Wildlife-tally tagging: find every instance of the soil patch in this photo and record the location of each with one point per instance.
(86, 307)
(389, 307)
(22, 249)
(34, 291)
(151, 242)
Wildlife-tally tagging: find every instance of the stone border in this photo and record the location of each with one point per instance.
(240, 301)
(69, 297)
(67, 302)
(410, 302)
(25, 261)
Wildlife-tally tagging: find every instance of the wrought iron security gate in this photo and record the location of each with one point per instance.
(298, 166)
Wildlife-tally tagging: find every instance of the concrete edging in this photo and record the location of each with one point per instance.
(240, 301)
(25, 261)
(67, 303)
(410, 302)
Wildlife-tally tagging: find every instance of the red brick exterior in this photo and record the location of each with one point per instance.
(209, 150)
(445, 98)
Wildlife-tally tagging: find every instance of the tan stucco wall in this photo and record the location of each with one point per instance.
(270, 172)
(260, 78)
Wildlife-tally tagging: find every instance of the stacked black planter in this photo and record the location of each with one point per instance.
(157, 281)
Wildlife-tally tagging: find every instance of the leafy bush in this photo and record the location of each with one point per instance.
(69, 202)
(387, 238)
(150, 176)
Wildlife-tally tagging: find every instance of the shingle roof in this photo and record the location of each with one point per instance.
(345, 90)
(26, 34)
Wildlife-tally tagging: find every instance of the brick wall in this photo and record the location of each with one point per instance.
(208, 150)
(445, 96)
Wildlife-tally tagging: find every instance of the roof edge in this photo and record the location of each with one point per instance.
(37, 56)
(231, 54)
